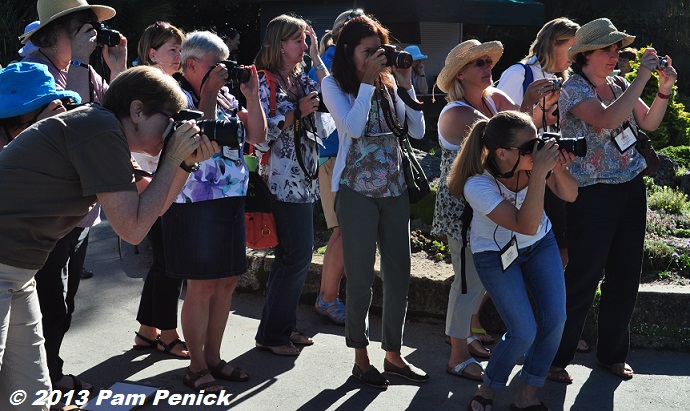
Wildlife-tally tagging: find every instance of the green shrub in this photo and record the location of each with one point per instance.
(679, 154)
(424, 210)
(669, 200)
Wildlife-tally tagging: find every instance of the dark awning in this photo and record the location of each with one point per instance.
(405, 17)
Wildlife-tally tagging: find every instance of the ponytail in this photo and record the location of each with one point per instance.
(470, 159)
(326, 41)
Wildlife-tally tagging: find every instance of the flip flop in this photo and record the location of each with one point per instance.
(620, 369)
(299, 338)
(482, 335)
(460, 370)
(559, 374)
(150, 344)
(287, 350)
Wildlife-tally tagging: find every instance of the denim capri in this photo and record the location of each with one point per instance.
(205, 240)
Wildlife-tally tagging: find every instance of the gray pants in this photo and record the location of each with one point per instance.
(23, 364)
(461, 307)
(364, 221)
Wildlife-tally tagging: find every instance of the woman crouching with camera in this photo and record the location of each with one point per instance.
(502, 170)
(372, 203)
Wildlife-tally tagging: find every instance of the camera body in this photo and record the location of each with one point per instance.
(663, 63)
(229, 133)
(575, 145)
(557, 84)
(106, 36)
(398, 58)
(236, 74)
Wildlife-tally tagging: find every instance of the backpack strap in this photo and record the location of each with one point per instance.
(529, 77)
(272, 85)
(465, 219)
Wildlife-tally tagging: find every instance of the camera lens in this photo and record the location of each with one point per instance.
(228, 133)
(238, 75)
(575, 145)
(663, 63)
(394, 57)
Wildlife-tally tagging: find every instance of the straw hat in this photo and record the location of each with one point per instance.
(598, 34)
(25, 87)
(49, 10)
(464, 53)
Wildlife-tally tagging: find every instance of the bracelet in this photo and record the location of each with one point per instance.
(78, 63)
(663, 96)
(190, 169)
(320, 67)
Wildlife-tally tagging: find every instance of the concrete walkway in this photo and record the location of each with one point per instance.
(98, 350)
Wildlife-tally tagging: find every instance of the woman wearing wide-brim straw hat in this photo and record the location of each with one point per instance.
(65, 38)
(466, 78)
(606, 225)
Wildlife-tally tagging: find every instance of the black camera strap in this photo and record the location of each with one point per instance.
(300, 133)
(395, 127)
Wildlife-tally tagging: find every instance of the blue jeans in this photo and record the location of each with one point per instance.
(539, 268)
(295, 229)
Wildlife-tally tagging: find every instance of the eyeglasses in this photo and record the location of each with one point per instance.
(480, 63)
(525, 148)
(170, 116)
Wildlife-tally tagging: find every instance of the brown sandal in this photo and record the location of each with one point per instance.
(191, 380)
(237, 374)
(559, 374)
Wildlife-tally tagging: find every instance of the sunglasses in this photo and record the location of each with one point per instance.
(482, 62)
(354, 13)
(527, 147)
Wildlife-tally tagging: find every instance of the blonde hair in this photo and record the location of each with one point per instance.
(484, 139)
(331, 36)
(552, 34)
(279, 29)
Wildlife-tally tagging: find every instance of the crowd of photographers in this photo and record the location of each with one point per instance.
(160, 149)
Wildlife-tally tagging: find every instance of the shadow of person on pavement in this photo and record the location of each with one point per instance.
(360, 400)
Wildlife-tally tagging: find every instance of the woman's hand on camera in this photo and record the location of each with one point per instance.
(116, 57)
(667, 77)
(374, 65)
(309, 103)
(183, 142)
(403, 77)
(540, 89)
(83, 42)
(649, 61)
(204, 151)
(544, 159)
(250, 89)
(565, 159)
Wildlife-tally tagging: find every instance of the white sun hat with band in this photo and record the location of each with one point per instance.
(598, 34)
(463, 54)
(49, 10)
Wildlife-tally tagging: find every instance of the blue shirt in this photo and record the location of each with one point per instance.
(330, 148)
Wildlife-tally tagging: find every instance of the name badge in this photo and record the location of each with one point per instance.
(625, 139)
(509, 254)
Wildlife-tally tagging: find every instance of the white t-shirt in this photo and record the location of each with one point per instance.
(482, 192)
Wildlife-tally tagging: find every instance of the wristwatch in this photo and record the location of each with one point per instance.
(190, 169)
(320, 67)
(79, 64)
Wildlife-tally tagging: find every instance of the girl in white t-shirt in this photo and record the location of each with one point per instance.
(502, 171)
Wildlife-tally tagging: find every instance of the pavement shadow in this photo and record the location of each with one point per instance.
(327, 398)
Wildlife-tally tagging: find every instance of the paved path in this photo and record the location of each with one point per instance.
(98, 349)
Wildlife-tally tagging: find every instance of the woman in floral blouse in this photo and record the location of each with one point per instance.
(290, 173)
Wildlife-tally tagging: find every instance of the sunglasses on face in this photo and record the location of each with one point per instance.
(528, 147)
(481, 63)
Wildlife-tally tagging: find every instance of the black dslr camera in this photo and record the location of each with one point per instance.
(397, 58)
(575, 145)
(106, 36)
(236, 74)
(228, 133)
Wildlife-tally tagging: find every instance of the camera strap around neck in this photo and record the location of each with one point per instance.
(395, 127)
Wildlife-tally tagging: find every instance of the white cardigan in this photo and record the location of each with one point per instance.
(351, 113)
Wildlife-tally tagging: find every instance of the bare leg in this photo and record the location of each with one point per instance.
(527, 396)
(219, 311)
(149, 332)
(333, 267)
(476, 325)
(362, 359)
(459, 353)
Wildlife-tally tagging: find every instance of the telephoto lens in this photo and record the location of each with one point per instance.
(236, 74)
(228, 133)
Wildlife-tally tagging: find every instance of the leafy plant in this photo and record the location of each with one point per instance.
(667, 199)
(679, 154)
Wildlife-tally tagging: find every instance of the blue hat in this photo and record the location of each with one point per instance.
(29, 47)
(416, 53)
(25, 87)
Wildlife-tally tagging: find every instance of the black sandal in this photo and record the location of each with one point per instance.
(167, 348)
(149, 342)
(190, 379)
(481, 400)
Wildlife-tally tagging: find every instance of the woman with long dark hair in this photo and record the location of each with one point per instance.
(370, 105)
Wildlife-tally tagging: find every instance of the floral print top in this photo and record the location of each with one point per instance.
(604, 163)
(286, 179)
(224, 174)
(374, 167)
